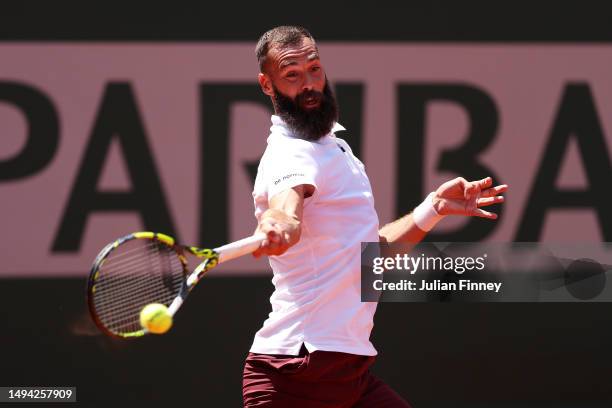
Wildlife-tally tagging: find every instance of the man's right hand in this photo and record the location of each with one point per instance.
(282, 232)
(282, 221)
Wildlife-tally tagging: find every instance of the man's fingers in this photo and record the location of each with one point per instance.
(273, 237)
(474, 186)
(483, 202)
(261, 250)
(275, 240)
(470, 190)
(274, 244)
(280, 230)
(484, 214)
(493, 191)
(484, 183)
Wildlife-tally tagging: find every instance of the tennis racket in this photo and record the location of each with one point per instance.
(148, 267)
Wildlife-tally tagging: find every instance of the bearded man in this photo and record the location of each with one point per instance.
(314, 201)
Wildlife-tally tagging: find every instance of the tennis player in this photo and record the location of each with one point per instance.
(314, 201)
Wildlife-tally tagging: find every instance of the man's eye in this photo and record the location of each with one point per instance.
(315, 69)
(291, 74)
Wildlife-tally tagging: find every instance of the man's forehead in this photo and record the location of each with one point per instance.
(282, 56)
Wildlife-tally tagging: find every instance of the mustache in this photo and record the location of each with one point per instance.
(308, 94)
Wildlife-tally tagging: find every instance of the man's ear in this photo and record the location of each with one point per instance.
(266, 84)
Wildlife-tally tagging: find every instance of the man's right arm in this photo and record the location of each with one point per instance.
(281, 222)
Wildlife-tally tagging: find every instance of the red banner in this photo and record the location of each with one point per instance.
(99, 140)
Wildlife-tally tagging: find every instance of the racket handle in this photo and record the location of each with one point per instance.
(174, 306)
(239, 248)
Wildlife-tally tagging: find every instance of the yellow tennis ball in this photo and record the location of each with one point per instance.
(155, 318)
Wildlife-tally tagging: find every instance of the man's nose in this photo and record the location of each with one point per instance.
(308, 84)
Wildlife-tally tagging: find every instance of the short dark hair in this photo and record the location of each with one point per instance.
(281, 36)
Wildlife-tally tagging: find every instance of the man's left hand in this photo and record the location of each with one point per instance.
(462, 197)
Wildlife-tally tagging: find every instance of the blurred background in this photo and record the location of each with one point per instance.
(118, 118)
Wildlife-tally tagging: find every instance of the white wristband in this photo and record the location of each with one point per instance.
(425, 215)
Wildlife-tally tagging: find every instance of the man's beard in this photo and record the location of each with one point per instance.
(309, 124)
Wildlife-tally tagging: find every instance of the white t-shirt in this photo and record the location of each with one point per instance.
(317, 296)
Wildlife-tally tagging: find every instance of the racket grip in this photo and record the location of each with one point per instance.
(240, 248)
(174, 306)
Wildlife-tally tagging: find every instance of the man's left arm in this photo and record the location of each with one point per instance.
(455, 197)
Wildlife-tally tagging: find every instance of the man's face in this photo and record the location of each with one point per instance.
(299, 89)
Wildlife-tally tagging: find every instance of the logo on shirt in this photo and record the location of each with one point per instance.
(288, 176)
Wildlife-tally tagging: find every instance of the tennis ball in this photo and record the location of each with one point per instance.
(155, 318)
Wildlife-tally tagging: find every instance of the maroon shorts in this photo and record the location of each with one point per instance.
(322, 379)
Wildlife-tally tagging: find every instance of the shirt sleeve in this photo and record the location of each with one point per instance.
(290, 165)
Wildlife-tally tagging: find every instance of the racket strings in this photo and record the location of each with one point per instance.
(137, 291)
(119, 303)
(122, 313)
(136, 273)
(128, 254)
(127, 265)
